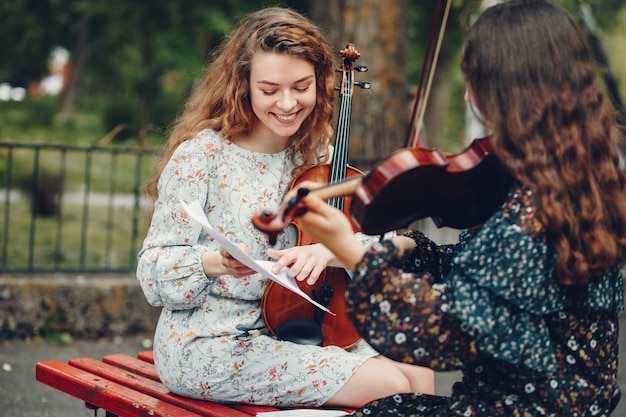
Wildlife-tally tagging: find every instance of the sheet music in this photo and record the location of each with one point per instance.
(303, 413)
(263, 267)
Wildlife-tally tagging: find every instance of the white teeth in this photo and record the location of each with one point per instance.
(286, 117)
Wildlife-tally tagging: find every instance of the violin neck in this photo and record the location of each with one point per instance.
(338, 190)
(339, 162)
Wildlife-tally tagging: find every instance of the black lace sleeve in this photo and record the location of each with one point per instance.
(429, 257)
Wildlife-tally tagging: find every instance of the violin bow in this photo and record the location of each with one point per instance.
(428, 70)
(591, 31)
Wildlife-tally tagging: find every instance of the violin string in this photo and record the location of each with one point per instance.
(340, 155)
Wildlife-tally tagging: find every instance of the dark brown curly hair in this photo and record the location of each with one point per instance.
(534, 81)
(221, 100)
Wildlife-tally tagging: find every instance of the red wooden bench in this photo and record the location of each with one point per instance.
(125, 386)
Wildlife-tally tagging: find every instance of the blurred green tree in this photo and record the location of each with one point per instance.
(137, 59)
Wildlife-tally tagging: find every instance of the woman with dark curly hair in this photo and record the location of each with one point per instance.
(260, 114)
(526, 304)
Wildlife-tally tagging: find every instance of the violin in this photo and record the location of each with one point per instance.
(459, 191)
(287, 315)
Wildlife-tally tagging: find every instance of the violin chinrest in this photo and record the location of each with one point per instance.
(301, 331)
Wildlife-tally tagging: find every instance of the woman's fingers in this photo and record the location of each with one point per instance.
(233, 266)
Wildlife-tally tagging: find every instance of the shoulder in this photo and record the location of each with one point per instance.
(205, 145)
(516, 220)
(206, 140)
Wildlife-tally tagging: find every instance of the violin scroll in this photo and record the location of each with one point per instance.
(272, 224)
(350, 54)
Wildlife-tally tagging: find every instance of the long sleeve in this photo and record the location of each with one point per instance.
(403, 313)
(169, 267)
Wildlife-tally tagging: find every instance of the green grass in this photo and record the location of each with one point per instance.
(100, 238)
(34, 123)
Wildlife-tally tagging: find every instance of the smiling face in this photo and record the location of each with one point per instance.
(282, 95)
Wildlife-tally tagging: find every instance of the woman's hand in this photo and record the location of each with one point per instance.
(326, 225)
(221, 262)
(331, 227)
(406, 244)
(304, 262)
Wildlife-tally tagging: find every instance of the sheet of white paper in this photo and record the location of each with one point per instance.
(263, 267)
(303, 413)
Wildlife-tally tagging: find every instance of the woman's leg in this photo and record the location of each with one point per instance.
(421, 379)
(381, 377)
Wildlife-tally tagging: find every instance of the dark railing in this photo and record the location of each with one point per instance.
(72, 208)
(75, 208)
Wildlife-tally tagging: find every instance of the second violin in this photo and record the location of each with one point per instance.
(287, 315)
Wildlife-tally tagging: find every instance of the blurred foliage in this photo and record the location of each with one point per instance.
(609, 16)
(142, 57)
(145, 52)
(29, 30)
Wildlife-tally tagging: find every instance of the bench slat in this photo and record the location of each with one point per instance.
(146, 356)
(153, 388)
(108, 395)
(131, 364)
(128, 386)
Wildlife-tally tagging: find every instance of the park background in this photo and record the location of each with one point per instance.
(112, 75)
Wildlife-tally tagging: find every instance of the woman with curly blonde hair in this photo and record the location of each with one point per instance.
(259, 116)
(526, 304)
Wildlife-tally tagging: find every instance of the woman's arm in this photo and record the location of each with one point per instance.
(398, 310)
(403, 314)
(174, 268)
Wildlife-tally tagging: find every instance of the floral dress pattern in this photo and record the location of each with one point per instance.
(489, 306)
(204, 344)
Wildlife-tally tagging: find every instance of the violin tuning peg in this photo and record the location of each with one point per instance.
(364, 85)
(361, 68)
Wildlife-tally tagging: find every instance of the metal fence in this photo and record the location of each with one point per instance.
(81, 209)
(72, 208)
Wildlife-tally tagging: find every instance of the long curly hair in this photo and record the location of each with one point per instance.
(220, 99)
(534, 81)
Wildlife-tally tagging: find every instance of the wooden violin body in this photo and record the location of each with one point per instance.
(458, 191)
(281, 307)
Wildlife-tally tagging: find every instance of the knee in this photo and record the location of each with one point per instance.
(422, 380)
(397, 384)
(415, 379)
(419, 379)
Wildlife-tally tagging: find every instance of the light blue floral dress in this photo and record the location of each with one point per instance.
(202, 347)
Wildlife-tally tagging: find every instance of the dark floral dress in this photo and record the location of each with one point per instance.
(489, 306)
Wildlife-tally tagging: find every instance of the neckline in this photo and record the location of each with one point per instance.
(280, 153)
